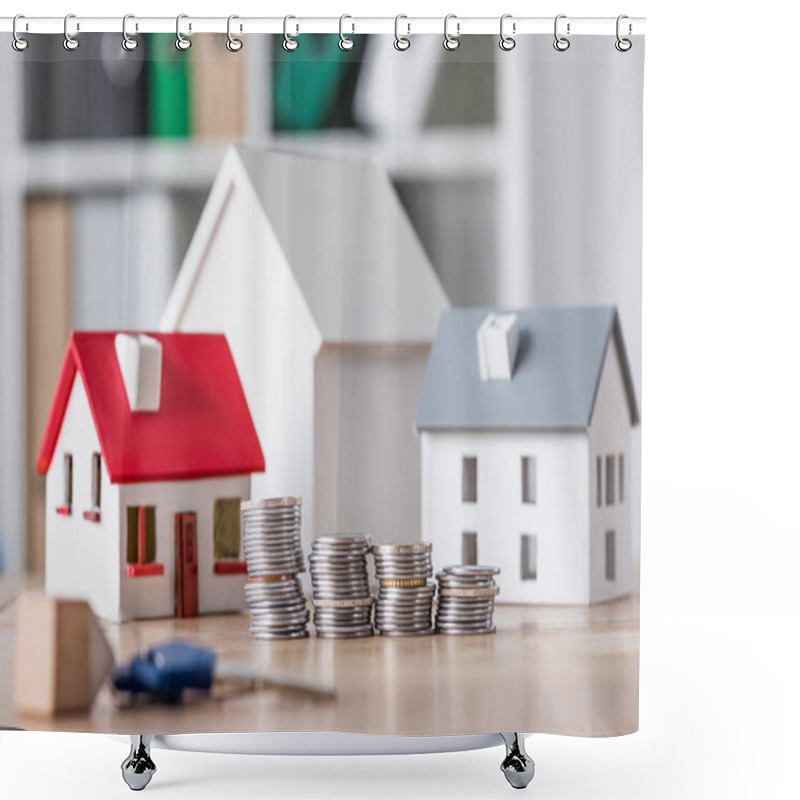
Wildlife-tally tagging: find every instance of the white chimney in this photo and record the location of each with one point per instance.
(498, 341)
(139, 358)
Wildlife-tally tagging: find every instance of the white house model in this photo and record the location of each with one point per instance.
(313, 272)
(525, 419)
(148, 452)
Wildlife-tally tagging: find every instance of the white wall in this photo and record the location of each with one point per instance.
(154, 596)
(610, 434)
(244, 288)
(559, 518)
(81, 557)
(367, 453)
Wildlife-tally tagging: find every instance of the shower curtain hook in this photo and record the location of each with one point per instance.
(451, 42)
(128, 42)
(181, 42)
(70, 42)
(289, 44)
(623, 44)
(561, 43)
(233, 44)
(345, 42)
(401, 43)
(507, 42)
(18, 43)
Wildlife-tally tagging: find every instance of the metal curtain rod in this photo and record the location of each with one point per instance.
(460, 26)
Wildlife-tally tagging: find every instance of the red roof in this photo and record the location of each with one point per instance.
(203, 426)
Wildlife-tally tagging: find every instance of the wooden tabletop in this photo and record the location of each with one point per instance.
(565, 670)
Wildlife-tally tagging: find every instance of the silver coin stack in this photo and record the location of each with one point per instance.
(342, 600)
(271, 542)
(405, 595)
(465, 603)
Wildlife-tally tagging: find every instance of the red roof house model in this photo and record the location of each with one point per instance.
(201, 429)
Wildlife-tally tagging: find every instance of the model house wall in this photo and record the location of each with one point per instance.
(509, 465)
(311, 269)
(81, 556)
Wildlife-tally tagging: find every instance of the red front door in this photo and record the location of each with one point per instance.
(186, 564)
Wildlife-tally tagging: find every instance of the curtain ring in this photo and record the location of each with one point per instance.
(401, 43)
(345, 42)
(451, 42)
(128, 42)
(18, 43)
(561, 43)
(623, 44)
(181, 42)
(289, 44)
(70, 42)
(233, 44)
(507, 42)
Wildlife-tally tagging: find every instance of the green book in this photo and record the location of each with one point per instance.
(312, 87)
(168, 87)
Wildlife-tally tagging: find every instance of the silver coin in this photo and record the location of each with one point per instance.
(401, 634)
(400, 549)
(272, 502)
(344, 602)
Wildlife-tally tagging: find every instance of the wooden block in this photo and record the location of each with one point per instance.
(61, 655)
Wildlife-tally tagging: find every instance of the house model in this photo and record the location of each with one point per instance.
(148, 451)
(525, 420)
(311, 269)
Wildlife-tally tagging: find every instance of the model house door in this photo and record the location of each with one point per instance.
(186, 564)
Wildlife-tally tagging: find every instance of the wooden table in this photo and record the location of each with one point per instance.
(566, 670)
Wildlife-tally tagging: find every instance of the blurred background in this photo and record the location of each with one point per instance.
(108, 157)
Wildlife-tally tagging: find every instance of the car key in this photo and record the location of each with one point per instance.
(168, 669)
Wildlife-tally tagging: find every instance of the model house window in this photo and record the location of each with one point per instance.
(141, 534)
(469, 479)
(611, 556)
(67, 480)
(610, 480)
(621, 471)
(599, 471)
(527, 556)
(96, 481)
(469, 547)
(227, 534)
(528, 479)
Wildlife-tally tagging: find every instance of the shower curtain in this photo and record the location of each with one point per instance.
(323, 353)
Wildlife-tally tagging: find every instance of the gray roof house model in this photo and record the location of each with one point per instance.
(556, 373)
(525, 422)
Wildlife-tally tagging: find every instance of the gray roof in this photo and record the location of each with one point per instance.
(555, 381)
(354, 253)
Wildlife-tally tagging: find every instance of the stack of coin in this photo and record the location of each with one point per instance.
(342, 600)
(466, 599)
(271, 542)
(405, 595)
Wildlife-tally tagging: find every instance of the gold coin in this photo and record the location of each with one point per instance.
(403, 583)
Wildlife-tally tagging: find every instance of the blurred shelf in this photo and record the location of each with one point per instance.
(88, 165)
(107, 164)
(431, 154)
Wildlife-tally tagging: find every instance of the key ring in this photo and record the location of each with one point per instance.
(18, 42)
(233, 44)
(507, 42)
(70, 42)
(561, 43)
(289, 44)
(451, 42)
(345, 42)
(401, 43)
(128, 42)
(181, 42)
(623, 44)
